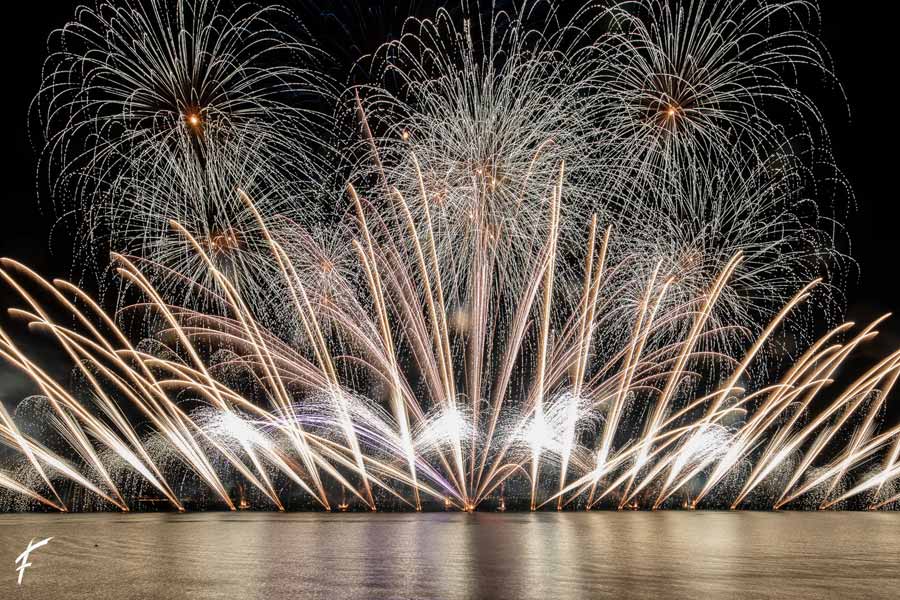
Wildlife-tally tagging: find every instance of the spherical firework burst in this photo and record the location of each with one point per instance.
(209, 196)
(135, 93)
(765, 211)
(477, 121)
(689, 81)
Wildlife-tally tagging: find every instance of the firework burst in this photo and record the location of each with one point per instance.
(137, 96)
(568, 242)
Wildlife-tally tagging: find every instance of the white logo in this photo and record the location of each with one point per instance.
(24, 556)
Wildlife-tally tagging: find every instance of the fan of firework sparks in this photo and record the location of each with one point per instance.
(555, 255)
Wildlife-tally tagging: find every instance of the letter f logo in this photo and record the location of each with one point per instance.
(23, 558)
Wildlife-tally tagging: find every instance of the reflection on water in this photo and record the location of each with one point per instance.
(454, 555)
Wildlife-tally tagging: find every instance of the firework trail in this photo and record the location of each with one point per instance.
(634, 427)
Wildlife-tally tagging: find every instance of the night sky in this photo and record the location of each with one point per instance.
(862, 43)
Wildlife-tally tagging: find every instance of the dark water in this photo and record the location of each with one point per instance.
(699, 555)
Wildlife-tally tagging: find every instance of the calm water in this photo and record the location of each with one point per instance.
(450, 555)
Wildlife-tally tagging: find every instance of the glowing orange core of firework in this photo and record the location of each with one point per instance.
(193, 119)
(223, 242)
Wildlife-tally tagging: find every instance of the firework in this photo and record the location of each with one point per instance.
(569, 243)
(399, 411)
(471, 120)
(689, 81)
(136, 97)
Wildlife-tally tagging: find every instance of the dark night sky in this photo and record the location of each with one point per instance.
(862, 45)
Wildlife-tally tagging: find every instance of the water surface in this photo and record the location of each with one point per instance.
(246, 555)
